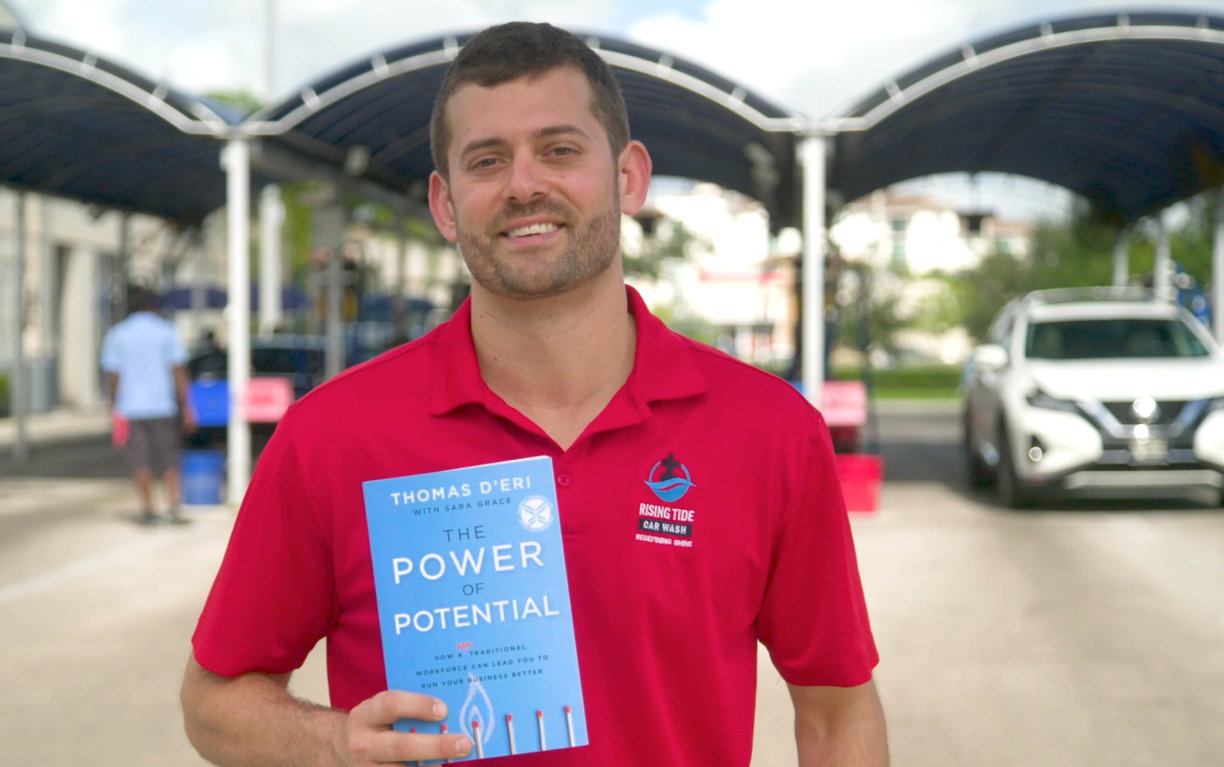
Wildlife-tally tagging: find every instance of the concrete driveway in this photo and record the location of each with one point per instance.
(1077, 636)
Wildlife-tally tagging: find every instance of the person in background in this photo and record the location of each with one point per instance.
(147, 390)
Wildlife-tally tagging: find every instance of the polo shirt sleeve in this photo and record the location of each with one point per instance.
(110, 355)
(813, 618)
(178, 352)
(274, 596)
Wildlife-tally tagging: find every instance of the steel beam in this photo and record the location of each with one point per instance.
(1217, 269)
(812, 158)
(271, 220)
(236, 159)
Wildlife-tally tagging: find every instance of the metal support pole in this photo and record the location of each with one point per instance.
(401, 287)
(1217, 269)
(48, 282)
(333, 359)
(20, 397)
(237, 162)
(269, 50)
(812, 157)
(119, 270)
(1121, 264)
(1160, 265)
(271, 219)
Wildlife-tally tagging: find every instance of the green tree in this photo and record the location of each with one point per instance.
(874, 318)
(664, 241)
(240, 100)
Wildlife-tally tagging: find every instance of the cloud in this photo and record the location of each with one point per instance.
(206, 45)
(814, 56)
(783, 49)
(808, 56)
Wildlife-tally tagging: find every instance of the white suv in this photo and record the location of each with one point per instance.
(1098, 392)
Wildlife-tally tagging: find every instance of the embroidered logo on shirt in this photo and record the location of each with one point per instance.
(665, 483)
(666, 525)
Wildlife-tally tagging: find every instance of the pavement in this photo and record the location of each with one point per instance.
(1074, 635)
(56, 426)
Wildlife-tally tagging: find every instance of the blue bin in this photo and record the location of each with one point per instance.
(210, 399)
(202, 476)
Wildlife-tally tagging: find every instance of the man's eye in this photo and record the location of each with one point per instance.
(485, 162)
(563, 150)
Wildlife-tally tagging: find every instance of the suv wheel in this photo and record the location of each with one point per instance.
(976, 471)
(1010, 490)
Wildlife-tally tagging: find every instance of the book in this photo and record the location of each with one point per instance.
(473, 603)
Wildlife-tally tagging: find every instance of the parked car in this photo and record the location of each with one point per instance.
(1099, 392)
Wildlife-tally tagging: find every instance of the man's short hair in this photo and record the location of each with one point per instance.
(522, 49)
(140, 299)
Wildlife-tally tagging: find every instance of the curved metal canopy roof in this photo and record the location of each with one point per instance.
(1126, 110)
(372, 118)
(77, 126)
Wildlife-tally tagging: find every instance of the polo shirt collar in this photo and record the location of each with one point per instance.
(663, 366)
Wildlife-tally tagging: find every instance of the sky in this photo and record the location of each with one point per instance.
(809, 56)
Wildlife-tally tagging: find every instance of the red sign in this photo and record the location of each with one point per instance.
(267, 399)
(844, 403)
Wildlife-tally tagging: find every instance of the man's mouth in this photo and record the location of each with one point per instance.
(533, 230)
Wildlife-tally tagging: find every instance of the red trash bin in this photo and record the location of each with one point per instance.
(860, 479)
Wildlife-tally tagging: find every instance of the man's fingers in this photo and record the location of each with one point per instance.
(390, 705)
(372, 741)
(391, 746)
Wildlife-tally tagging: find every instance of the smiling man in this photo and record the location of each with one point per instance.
(700, 508)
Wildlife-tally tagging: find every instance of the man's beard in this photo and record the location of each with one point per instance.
(591, 248)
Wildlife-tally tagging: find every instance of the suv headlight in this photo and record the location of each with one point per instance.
(1038, 398)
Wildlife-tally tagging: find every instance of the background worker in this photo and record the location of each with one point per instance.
(147, 390)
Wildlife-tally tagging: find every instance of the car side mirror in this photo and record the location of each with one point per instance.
(989, 357)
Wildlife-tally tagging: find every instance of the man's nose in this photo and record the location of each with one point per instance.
(526, 181)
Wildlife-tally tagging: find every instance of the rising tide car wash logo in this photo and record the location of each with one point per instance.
(665, 483)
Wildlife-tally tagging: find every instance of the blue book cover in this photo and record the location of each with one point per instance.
(473, 603)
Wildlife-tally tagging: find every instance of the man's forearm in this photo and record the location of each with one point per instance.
(253, 721)
(839, 727)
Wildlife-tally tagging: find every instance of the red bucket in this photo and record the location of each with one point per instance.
(860, 480)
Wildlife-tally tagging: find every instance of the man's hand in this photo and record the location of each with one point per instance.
(182, 385)
(253, 720)
(189, 421)
(370, 739)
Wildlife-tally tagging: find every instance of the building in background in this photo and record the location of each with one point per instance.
(735, 287)
(76, 262)
(908, 241)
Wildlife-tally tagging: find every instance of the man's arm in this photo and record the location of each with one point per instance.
(839, 726)
(185, 408)
(253, 720)
(112, 389)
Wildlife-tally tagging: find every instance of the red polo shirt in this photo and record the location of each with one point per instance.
(666, 617)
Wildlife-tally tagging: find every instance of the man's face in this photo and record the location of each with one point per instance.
(533, 197)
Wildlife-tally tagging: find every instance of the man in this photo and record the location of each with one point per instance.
(551, 356)
(147, 389)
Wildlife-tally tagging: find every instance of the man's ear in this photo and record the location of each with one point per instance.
(633, 167)
(441, 207)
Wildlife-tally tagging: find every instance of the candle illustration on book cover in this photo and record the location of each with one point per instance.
(473, 601)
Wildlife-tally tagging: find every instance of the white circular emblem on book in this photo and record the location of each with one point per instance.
(535, 513)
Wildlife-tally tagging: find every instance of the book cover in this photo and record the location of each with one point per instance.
(473, 603)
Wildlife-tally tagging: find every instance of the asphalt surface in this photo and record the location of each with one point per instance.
(1076, 635)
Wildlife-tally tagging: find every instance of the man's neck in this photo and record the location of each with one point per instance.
(560, 360)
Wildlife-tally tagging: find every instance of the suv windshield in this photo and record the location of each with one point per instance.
(1116, 338)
